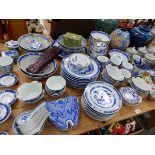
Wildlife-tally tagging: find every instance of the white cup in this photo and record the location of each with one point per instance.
(6, 64)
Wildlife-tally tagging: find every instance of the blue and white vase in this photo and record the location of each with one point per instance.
(140, 36)
(120, 39)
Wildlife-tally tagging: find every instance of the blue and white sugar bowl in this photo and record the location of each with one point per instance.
(12, 44)
(55, 85)
(130, 96)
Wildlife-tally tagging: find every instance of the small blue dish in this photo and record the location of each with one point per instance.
(5, 112)
(8, 97)
(8, 80)
(64, 113)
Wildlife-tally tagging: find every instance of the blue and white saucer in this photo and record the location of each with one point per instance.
(8, 80)
(8, 97)
(3, 133)
(64, 113)
(130, 96)
(5, 112)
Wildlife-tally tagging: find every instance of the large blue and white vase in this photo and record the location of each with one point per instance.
(120, 39)
(140, 36)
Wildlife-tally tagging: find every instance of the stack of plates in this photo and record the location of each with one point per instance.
(81, 79)
(28, 59)
(101, 101)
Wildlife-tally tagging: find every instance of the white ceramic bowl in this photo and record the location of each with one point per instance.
(55, 85)
(6, 64)
(30, 91)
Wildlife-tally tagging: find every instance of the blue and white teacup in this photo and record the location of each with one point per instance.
(12, 45)
(115, 61)
(6, 64)
(103, 61)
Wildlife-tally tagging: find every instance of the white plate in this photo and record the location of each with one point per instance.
(8, 96)
(8, 80)
(5, 112)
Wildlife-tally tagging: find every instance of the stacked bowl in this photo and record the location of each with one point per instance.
(101, 101)
(55, 85)
(30, 92)
(79, 69)
(28, 59)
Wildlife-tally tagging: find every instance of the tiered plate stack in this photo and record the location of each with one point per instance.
(101, 101)
(79, 70)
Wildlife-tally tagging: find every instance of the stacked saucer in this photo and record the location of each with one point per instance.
(79, 69)
(101, 101)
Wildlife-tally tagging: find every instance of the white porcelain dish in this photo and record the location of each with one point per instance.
(29, 91)
(8, 96)
(8, 80)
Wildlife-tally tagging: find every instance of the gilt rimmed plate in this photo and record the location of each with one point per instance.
(5, 112)
(8, 97)
(8, 80)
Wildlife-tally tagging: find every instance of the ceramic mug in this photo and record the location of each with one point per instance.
(6, 64)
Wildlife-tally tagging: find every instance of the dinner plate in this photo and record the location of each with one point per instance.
(5, 112)
(34, 42)
(8, 80)
(8, 97)
(103, 97)
(120, 54)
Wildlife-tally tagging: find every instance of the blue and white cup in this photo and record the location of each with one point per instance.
(6, 64)
(115, 61)
(127, 65)
(103, 61)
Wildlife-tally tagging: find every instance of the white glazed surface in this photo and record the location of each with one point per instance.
(7, 80)
(102, 59)
(126, 73)
(28, 91)
(127, 65)
(5, 60)
(141, 83)
(115, 60)
(56, 83)
(6, 98)
(100, 36)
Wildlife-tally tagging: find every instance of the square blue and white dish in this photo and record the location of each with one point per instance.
(8, 96)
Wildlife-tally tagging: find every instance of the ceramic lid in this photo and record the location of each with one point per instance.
(12, 44)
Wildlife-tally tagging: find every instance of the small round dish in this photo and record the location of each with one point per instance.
(130, 96)
(8, 96)
(5, 112)
(8, 80)
(152, 95)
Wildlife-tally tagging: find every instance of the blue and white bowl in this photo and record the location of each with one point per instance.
(8, 96)
(11, 53)
(12, 45)
(55, 85)
(6, 64)
(130, 96)
(27, 59)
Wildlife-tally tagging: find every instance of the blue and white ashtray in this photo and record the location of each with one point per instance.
(11, 53)
(5, 112)
(3, 133)
(8, 80)
(130, 96)
(64, 113)
(8, 97)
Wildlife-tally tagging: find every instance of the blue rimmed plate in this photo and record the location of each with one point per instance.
(118, 53)
(8, 97)
(8, 80)
(5, 112)
(3, 133)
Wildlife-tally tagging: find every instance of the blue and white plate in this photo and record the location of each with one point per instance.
(3, 133)
(8, 97)
(5, 112)
(8, 80)
(118, 53)
(130, 96)
(64, 113)
(103, 97)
